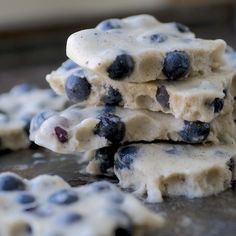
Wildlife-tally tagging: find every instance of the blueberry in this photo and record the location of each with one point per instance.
(69, 65)
(217, 104)
(176, 65)
(39, 210)
(23, 88)
(69, 218)
(158, 38)
(111, 127)
(37, 121)
(63, 197)
(231, 164)
(182, 28)
(122, 67)
(25, 198)
(109, 24)
(77, 88)
(108, 109)
(101, 186)
(173, 150)
(120, 231)
(113, 97)
(117, 199)
(126, 156)
(195, 132)
(10, 182)
(124, 224)
(163, 97)
(61, 134)
(106, 158)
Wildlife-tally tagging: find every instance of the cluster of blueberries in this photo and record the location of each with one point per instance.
(62, 198)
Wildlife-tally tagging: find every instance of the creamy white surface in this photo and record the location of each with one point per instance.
(170, 170)
(96, 49)
(97, 209)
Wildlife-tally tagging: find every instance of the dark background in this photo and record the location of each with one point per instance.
(30, 50)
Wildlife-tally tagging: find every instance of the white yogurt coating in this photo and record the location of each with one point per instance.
(98, 208)
(17, 107)
(189, 100)
(96, 49)
(160, 170)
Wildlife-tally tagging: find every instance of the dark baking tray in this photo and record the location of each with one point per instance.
(210, 216)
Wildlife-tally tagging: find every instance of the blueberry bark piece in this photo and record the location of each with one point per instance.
(113, 97)
(111, 127)
(122, 67)
(109, 24)
(63, 197)
(125, 157)
(195, 132)
(105, 156)
(163, 97)
(77, 88)
(10, 182)
(176, 65)
(217, 104)
(182, 28)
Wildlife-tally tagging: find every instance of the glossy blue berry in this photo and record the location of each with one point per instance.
(38, 119)
(77, 88)
(182, 28)
(158, 38)
(63, 197)
(106, 158)
(195, 132)
(126, 156)
(176, 65)
(217, 104)
(9, 182)
(121, 67)
(110, 127)
(113, 97)
(109, 24)
(25, 198)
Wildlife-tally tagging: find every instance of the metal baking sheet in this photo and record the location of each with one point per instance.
(211, 216)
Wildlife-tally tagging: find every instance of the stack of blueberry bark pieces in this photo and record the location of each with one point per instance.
(153, 104)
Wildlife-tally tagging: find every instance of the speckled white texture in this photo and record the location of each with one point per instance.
(102, 206)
